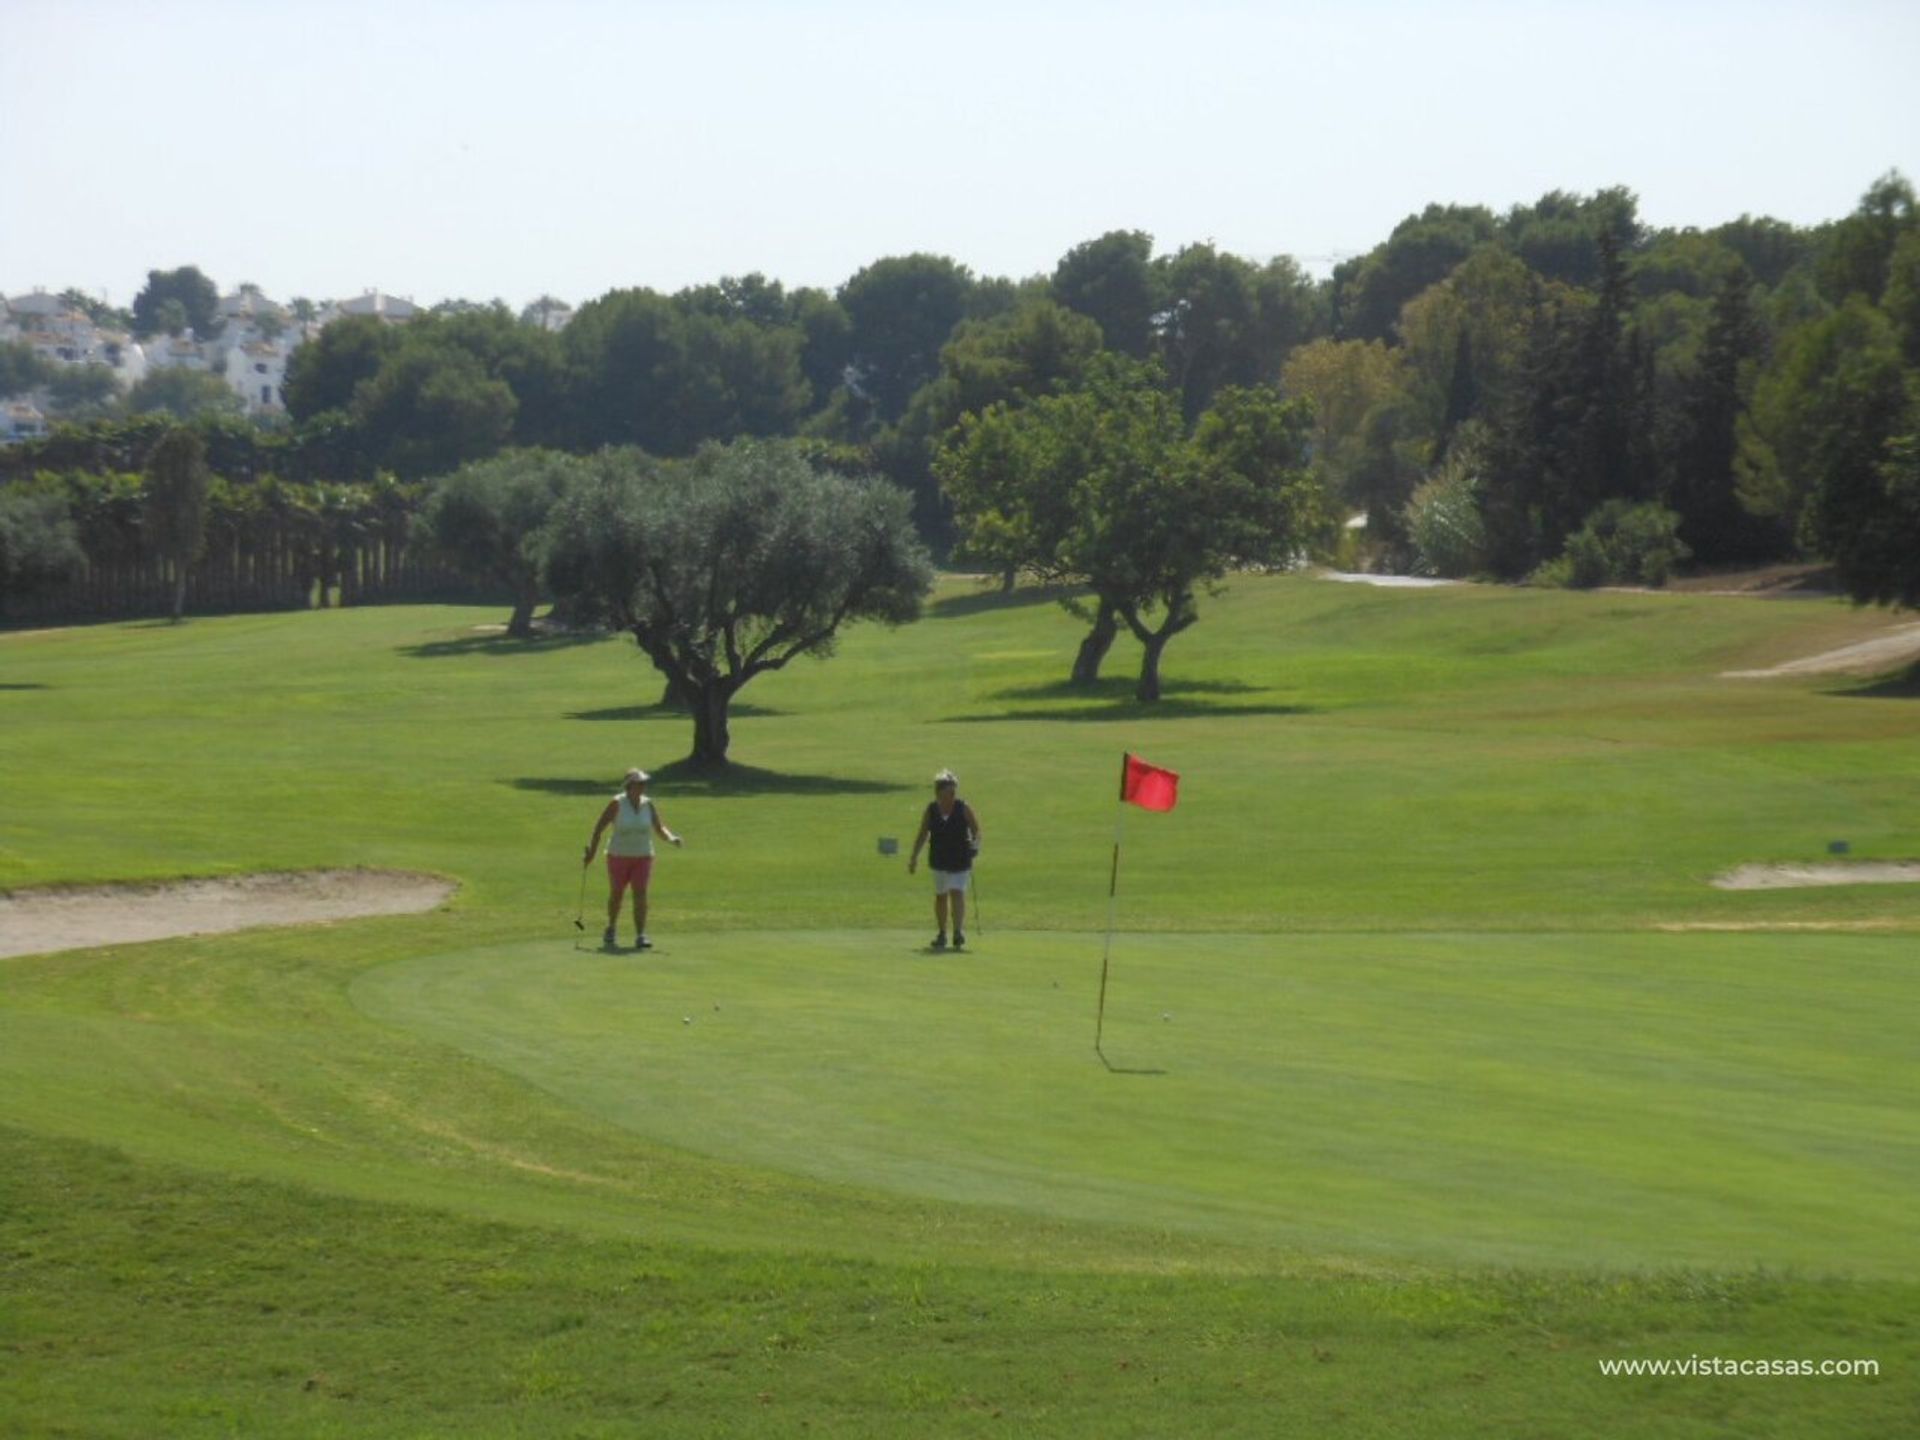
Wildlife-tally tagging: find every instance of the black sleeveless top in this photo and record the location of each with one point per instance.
(949, 838)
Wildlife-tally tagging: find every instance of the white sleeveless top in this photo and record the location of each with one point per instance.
(632, 828)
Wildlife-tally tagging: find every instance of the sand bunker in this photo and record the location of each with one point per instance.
(1898, 646)
(37, 922)
(1789, 877)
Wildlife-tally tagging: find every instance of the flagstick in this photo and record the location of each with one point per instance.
(1106, 952)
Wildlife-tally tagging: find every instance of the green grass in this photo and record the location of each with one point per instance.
(1441, 1117)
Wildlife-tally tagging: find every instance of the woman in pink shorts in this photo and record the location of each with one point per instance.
(635, 820)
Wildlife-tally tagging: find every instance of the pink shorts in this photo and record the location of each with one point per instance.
(625, 870)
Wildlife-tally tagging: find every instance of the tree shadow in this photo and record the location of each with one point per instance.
(683, 777)
(667, 712)
(499, 644)
(991, 597)
(1121, 688)
(27, 685)
(1901, 685)
(606, 789)
(687, 778)
(1131, 709)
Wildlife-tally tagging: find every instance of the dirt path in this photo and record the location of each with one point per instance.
(36, 922)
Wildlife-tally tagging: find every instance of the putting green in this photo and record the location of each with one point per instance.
(1627, 1099)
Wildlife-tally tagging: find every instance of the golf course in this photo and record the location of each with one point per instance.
(1437, 1074)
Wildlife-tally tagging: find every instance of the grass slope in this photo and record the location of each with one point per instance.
(1442, 1121)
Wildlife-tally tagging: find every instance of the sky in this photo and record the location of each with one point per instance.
(501, 148)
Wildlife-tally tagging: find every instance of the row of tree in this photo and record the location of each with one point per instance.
(1500, 394)
(173, 533)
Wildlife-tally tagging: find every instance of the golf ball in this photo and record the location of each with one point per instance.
(1166, 1015)
(686, 1019)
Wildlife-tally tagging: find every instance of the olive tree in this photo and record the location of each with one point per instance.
(487, 521)
(734, 562)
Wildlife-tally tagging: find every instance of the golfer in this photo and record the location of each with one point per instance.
(635, 820)
(953, 827)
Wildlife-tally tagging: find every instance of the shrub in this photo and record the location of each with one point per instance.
(1443, 520)
(1621, 544)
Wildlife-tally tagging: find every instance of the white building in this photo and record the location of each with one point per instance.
(64, 335)
(20, 420)
(374, 302)
(257, 373)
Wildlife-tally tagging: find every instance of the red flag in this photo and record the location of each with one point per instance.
(1148, 786)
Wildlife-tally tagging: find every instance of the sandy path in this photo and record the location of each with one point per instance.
(1789, 877)
(1898, 646)
(36, 922)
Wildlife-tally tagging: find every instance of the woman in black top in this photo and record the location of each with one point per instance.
(953, 827)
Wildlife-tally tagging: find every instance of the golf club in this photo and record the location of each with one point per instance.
(580, 911)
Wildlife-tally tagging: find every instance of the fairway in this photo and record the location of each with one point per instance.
(1636, 1100)
(1437, 1069)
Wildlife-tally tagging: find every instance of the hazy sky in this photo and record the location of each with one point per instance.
(487, 148)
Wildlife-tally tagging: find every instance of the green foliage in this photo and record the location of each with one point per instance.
(39, 545)
(1226, 321)
(1770, 249)
(1422, 250)
(81, 392)
(21, 369)
(431, 408)
(174, 513)
(1443, 522)
(1621, 544)
(1113, 282)
(1901, 300)
(1712, 395)
(107, 317)
(183, 394)
(1857, 251)
(1866, 519)
(1566, 237)
(1821, 413)
(733, 563)
(669, 373)
(323, 373)
(488, 519)
(1579, 428)
(1101, 486)
(176, 300)
(901, 310)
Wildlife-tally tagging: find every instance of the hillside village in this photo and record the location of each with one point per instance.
(249, 348)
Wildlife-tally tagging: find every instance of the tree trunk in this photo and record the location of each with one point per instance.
(179, 592)
(1149, 687)
(710, 738)
(673, 696)
(1008, 578)
(520, 626)
(1094, 647)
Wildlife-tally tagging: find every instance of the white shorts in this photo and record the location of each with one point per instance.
(948, 882)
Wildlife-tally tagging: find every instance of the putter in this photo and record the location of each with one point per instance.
(580, 911)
